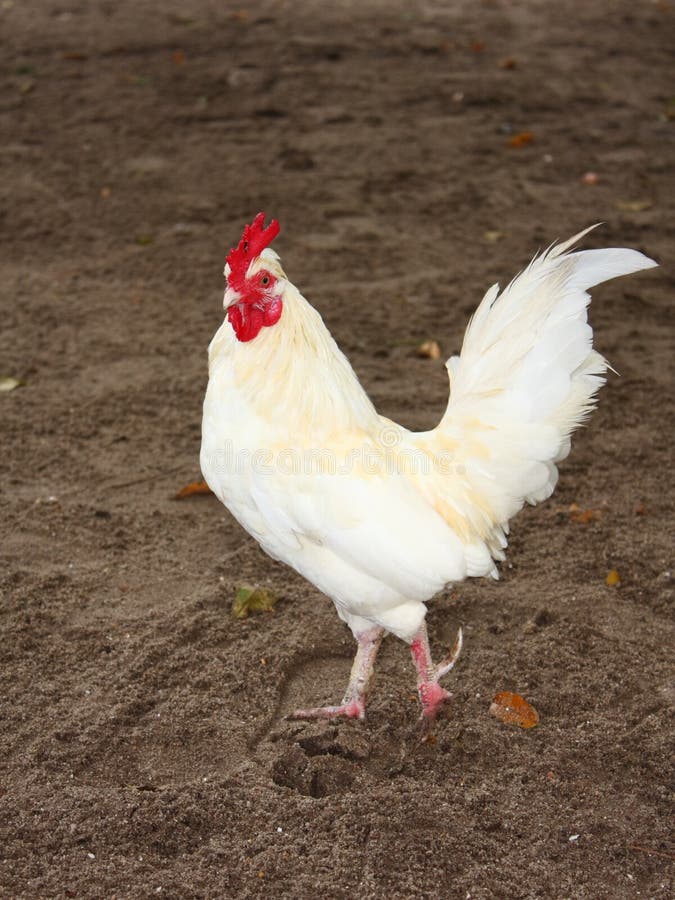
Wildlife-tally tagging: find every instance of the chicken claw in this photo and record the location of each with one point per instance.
(432, 696)
(354, 709)
(353, 705)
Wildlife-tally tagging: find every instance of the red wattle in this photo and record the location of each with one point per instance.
(248, 318)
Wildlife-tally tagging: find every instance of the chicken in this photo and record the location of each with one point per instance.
(379, 518)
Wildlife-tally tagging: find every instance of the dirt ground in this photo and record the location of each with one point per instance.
(143, 746)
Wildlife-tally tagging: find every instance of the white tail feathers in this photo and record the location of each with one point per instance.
(526, 377)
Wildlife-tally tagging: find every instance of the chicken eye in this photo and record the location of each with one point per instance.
(265, 280)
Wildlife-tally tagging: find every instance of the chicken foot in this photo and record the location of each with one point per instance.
(353, 704)
(432, 696)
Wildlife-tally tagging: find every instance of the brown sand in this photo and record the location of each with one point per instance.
(143, 746)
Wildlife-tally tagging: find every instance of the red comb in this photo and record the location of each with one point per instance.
(253, 241)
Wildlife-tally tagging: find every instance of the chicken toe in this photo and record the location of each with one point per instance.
(353, 704)
(432, 696)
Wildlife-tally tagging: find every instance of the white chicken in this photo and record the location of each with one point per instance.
(380, 518)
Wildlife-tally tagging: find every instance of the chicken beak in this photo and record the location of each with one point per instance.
(231, 297)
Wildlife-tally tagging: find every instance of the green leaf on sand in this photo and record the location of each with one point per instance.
(248, 600)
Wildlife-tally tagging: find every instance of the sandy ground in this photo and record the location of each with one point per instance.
(143, 749)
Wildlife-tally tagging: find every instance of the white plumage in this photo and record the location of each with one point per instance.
(377, 517)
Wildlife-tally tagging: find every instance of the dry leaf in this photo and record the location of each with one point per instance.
(521, 139)
(492, 236)
(248, 600)
(508, 63)
(7, 383)
(512, 709)
(583, 516)
(429, 350)
(477, 46)
(178, 57)
(633, 205)
(640, 509)
(612, 578)
(590, 178)
(195, 487)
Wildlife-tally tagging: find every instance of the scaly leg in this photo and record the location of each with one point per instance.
(432, 696)
(353, 705)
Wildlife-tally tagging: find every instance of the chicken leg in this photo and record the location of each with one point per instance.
(432, 696)
(353, 704)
